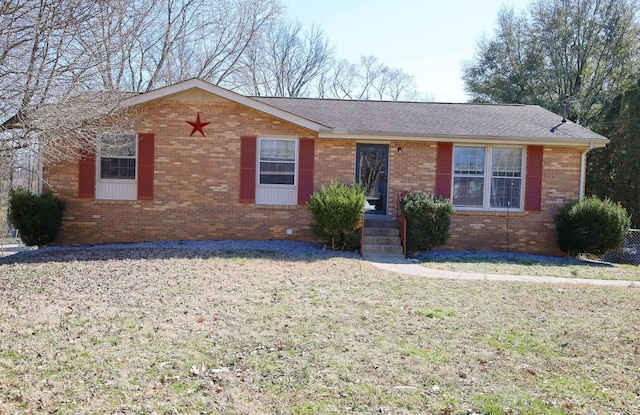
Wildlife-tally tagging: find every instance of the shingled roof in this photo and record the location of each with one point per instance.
(437, 120)
(384, 120)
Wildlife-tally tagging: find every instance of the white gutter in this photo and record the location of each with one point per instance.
(556, 142)
(583, 170)
(40, 175)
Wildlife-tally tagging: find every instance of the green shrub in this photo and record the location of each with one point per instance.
(591, 226)
(337, 211)
(428, 221)
(38, 218)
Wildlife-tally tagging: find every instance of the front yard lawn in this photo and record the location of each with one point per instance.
(166, 331)
(519, 264)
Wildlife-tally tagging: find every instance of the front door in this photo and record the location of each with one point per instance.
(372, 164)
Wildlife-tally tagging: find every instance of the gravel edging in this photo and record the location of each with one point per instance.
(438, 255)
(286, 247)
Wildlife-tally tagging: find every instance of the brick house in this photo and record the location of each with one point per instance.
(206, 163)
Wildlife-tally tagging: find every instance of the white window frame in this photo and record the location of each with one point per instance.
(488, 177)
(273, 193)
(134, 157)
(117, 188)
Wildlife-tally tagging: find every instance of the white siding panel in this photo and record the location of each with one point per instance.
(117, 190)
(279, 195)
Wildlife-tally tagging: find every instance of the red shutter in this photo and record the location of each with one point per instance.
(444, 160)
(145, 166)
(248, 151)
(305, 169)
(87, 175)
(533, 189)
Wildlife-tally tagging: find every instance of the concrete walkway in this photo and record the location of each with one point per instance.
(406, 267)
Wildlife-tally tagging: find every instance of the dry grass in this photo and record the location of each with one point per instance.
(178, 331)
(533, 265)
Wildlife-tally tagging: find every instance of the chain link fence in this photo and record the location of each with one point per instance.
(628, 252)
(10, 242)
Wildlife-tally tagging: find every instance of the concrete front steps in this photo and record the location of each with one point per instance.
(381, 237)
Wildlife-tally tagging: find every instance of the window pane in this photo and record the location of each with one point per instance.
(118, 145)
(505, 193)
(277, 150)
(277, 173)
(506, 162)
(270, 167)
(117, 168)
(467, 191)
(277, 161)
(275, 178)
(469, 160)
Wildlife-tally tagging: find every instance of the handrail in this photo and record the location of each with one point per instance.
(402, 221)
(362, 235)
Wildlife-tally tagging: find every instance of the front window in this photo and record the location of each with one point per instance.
(277, 171)
(506, 177)
(487, 177)
(277, 161)
(118, 156)
(468, 176)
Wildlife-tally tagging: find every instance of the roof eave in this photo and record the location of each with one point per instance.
(166, 91)
(560, 141)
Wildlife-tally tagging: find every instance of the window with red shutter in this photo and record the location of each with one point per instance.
(123, 170)
(276, 171)
(486, 177)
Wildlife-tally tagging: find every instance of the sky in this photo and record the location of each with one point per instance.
(429, 39)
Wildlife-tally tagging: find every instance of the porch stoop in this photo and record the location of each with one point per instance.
(381, 237)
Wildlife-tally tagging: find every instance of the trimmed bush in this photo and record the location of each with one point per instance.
(591, 226)
(428, 221)
(38, 218)
(337, 211)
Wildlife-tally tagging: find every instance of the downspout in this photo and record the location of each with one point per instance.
(40, 174)
(583, 170)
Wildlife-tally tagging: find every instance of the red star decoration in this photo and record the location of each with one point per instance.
(197, 126)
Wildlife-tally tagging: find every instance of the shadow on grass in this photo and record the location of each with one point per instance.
(276, 250)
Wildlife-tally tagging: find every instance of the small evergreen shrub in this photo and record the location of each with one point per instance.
(38, 218)
(591, 226)
(337, 211)
(428, 221)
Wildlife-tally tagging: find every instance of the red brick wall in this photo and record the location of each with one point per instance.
(196, 187)
(335, 160)
(196, 183)
(412, 170)
(530, 232)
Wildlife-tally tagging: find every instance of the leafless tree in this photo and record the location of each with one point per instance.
(42, 63)
(395, 85)
(146, 45)
(64, 63)
(67, 65)
(370, 79)
(116, 40)
(286, 61)
(338, 81)
(201, 39)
